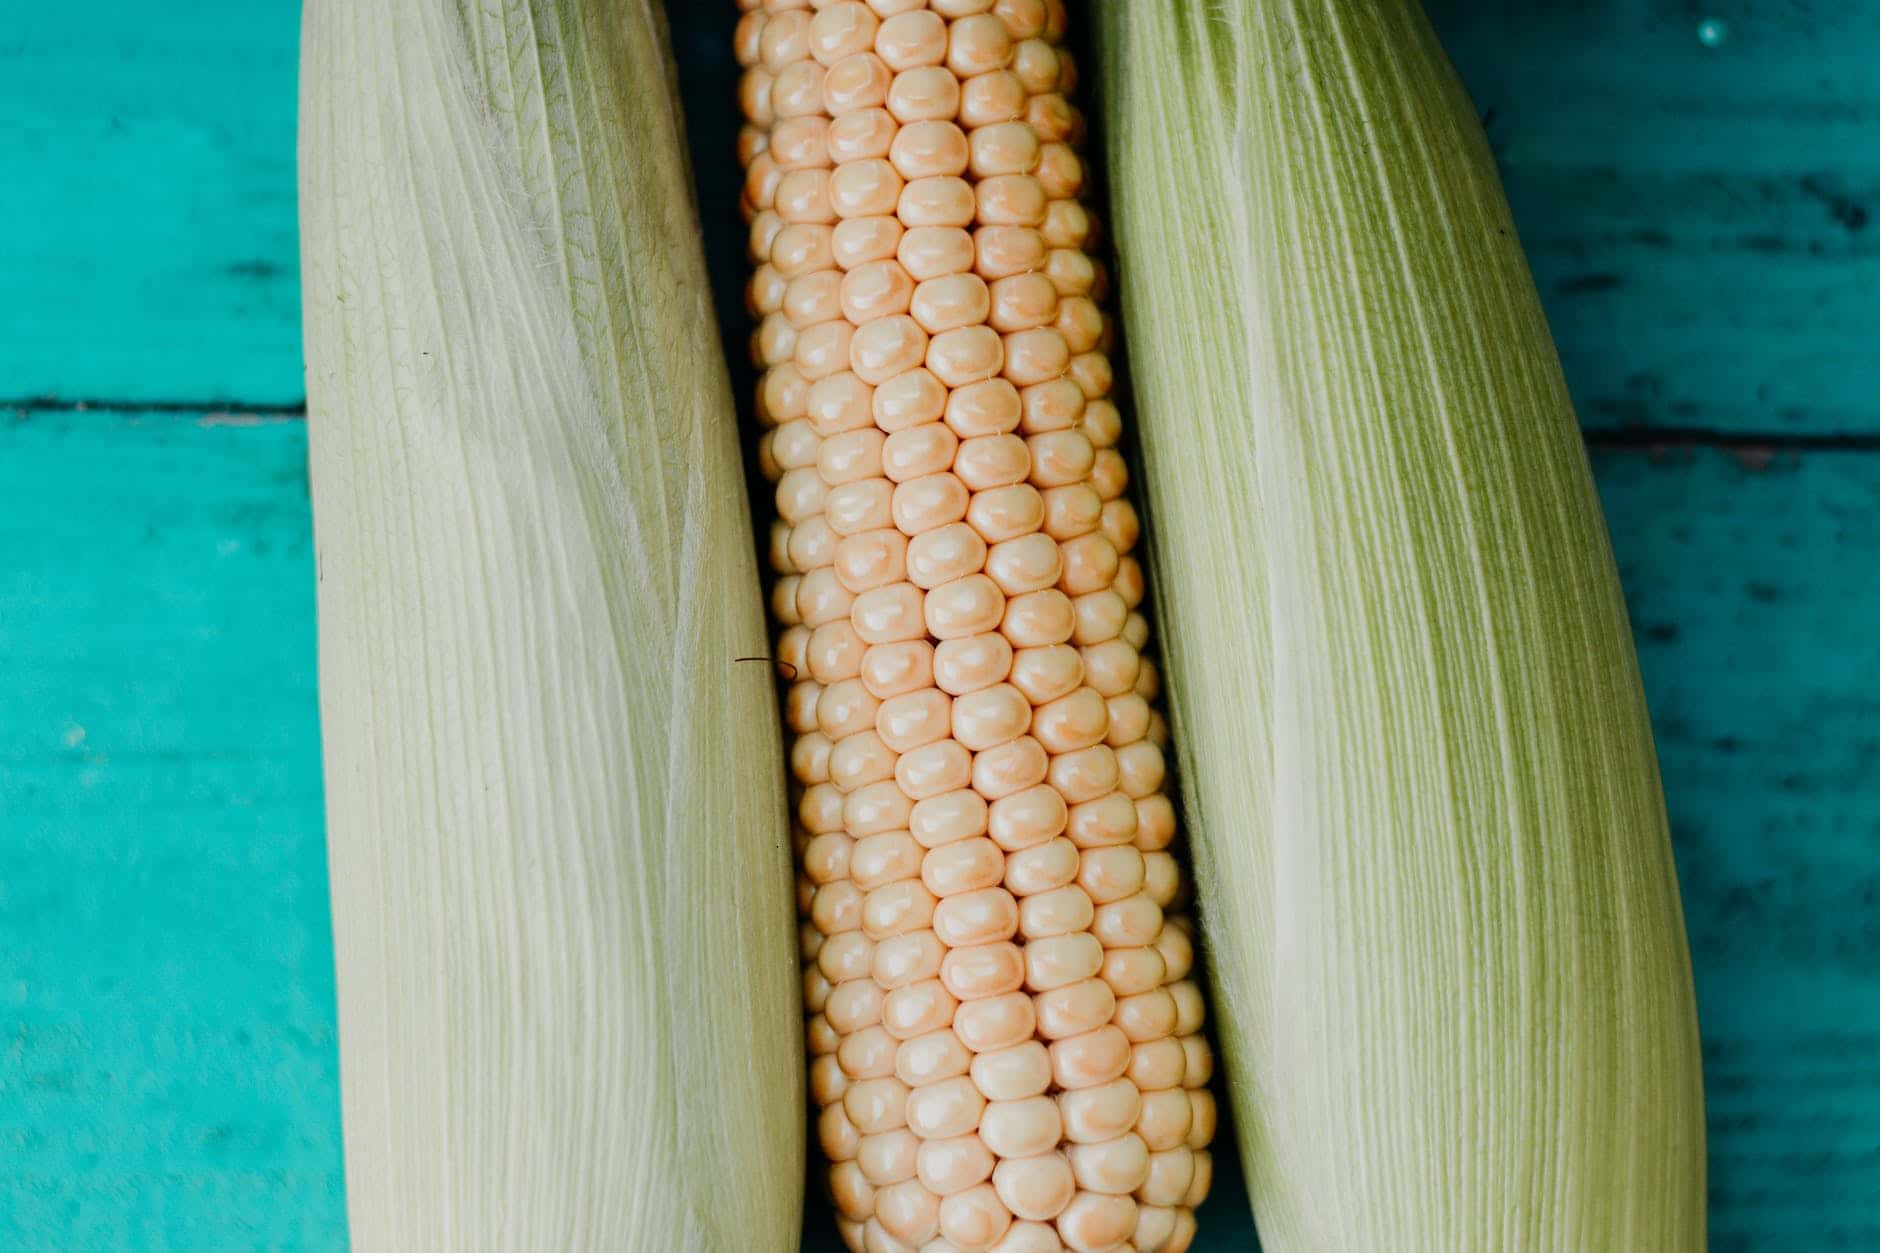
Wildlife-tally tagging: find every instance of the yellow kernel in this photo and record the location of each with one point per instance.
(952, 1165)
(996, 1022)
(1074, 1009)
(908, 1212)
(1004, 251)
(893, 667)
(946, 819)
(884, 615)
(1166, 1118)
(1129, 923)
(860, 135)
(931, 501)
(1011, 200)
(965, 355)
(963, 866)
(1035, 63)
(1099, 616)
(1003, 148)
(885, 347)
(943, 200)
(839, 1139)
(1036, 355)
(1045, 673)
(856, 507)
(842, 30)
(1105, 821)
(974, 917)
(1014, 1073)
(1036, 1187)
(966, 606)
(1066, 224)
(800, 247)
(1020, 1129)
(912, 719)
(854, 1196)
(911, 39)
(906, 959)
(797, 90)
(1059, 170)
(1061, 960)
(970, 663)
(918, 451)
(930, 1058)
(1022, 820)
(1037, 618)
(850, 456)
(1167, 1177)
(858, 760)
(1052, 116)
(916, 1009)
(987, 99)
(857, 241)
(800, 142)
(852, 1006)
(784, 38)
(868, 187)
(936, 768)
(877, 808)
(933, 251)
(983, 970)
(990, 716)
(876, 289)
(945, 1108)
(1093, 1222)
(1009, 768)
(927, 94)
(1041, 868)
(988, 407)
(888, 1156)
(955, 300)
(929, 149)
(1113, 1167)
(974, 1219)
(1006, 513)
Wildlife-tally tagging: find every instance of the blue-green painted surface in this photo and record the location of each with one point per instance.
(1698, 218)
(167, 1057)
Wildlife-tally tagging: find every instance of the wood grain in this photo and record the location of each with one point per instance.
(1700, 219)
(1701, 223)
(165, 984)
(168, 1073)
(148, 162)
(1677, 201)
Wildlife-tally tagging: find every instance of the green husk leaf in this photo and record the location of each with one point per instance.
(563, 912)
(1436, 886)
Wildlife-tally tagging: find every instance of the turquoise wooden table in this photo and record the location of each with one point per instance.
(1696, 188)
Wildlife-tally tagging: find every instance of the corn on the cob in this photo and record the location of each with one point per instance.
(540, 755)
(1428, 831)
(1004, 1026)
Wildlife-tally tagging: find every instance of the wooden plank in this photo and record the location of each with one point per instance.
(148, 162)
(167, 1051)
(1700, 218)
(166, 1002)
(1754, 588)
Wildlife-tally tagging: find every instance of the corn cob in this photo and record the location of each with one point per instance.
(1004, 1028)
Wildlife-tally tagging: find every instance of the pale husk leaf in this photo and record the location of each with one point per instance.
(559, 853)
(1437, 890)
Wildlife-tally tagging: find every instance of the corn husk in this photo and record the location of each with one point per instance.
(562, 894)
(1437, 891)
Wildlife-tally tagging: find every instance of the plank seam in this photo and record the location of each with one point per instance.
(1629, 439)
